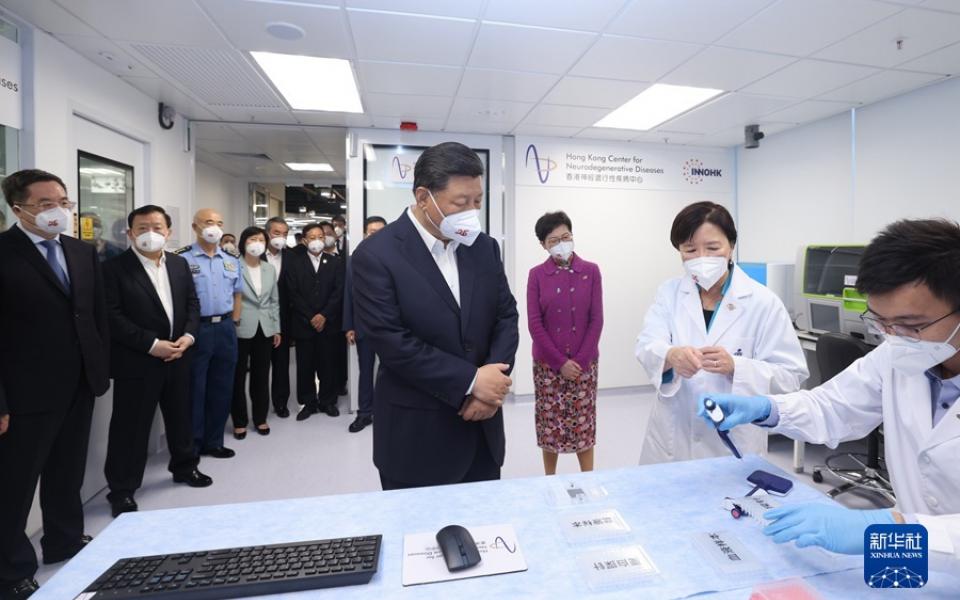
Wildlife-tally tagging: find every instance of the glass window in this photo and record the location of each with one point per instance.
(9, 163)
(105, 200)
(9, 31)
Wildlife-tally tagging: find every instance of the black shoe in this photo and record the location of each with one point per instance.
(332, 410)
(49, 559)
(263, 431)
(123, 504)
(360, 423)
(20, 590)
(220, 452)
(306, 411)
(283, 412)
(239, 435)
(343, 391)
(195, 478)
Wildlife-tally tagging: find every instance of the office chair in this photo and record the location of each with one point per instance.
(836, 352)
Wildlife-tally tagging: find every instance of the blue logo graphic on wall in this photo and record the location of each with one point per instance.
(402, 169)
(543, 165)
(895, 556)
(694, 172)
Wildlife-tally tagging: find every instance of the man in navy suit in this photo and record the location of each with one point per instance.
(54, 359)
(432, 298)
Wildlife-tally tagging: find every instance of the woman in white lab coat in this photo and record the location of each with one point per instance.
(910, 384)
(713, 330)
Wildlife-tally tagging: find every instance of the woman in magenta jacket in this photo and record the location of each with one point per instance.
(565, 317)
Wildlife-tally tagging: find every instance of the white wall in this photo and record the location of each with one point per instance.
(907, 152)
(224, 193)
(795, 189)
(842, 179)
(59, 84)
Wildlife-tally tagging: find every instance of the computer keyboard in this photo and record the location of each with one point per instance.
(241, 572)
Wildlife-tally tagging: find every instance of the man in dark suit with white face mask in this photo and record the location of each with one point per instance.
(433, 300)
(53, 362)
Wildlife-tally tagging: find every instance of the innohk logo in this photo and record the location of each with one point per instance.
(543, 165)
(403, 169)
(694, 172)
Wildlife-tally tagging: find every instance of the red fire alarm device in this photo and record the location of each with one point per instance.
(408, 126)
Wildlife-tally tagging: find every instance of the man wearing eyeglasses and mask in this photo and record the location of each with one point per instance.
(53, 362)
(910, 384)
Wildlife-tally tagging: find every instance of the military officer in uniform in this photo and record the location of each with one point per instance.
(216, 276)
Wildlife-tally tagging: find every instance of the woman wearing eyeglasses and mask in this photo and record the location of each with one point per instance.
(565, 318)
(714, 330)
(258, 332)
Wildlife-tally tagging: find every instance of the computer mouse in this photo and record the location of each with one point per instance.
(458, 547)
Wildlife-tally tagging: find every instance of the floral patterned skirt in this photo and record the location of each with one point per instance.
(566, 411)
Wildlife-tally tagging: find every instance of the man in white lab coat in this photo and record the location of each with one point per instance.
(910, 384)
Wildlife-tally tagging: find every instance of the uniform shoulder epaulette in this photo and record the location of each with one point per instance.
(182, 250)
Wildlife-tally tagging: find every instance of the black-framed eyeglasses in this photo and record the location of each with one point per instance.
(877, 326)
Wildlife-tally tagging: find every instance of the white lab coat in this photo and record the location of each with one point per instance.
(923, 461)
(753, 325)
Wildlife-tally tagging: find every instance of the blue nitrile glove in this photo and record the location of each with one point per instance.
(830, 526)
(737, 410)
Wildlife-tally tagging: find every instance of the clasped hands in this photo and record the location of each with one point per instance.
(489, 390)
(168, 351)
(687, 361)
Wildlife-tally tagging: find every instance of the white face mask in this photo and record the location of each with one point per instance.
(211, 234)
(230, 248)
(150, 241)
(278, 243)
(53, 220)
(329, 242)
(315, 246)
(706, 271)
(255, 249)
(463, 227)
(338, 231)
(562, 251)
(913, 357)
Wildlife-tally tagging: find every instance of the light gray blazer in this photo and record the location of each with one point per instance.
(262, 309)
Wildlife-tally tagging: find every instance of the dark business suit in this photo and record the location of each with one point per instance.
(430, 349)
(311, 293)
(54, 359)
(365, 354)
(141, 381)
(280, 356)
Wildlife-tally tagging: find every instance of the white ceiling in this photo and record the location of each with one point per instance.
(539, 67)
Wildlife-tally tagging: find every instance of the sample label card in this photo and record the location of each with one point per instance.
(588, 527)
(726, 554)
(616, 566)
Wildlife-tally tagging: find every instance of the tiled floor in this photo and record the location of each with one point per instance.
(319, 457)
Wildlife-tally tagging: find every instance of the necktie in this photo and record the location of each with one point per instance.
(51, 247)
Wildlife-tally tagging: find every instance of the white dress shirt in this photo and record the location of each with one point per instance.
(446, 258)
(276, 260)
(38, 244)
(158, 276)
(256, 278)
(315, 260)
